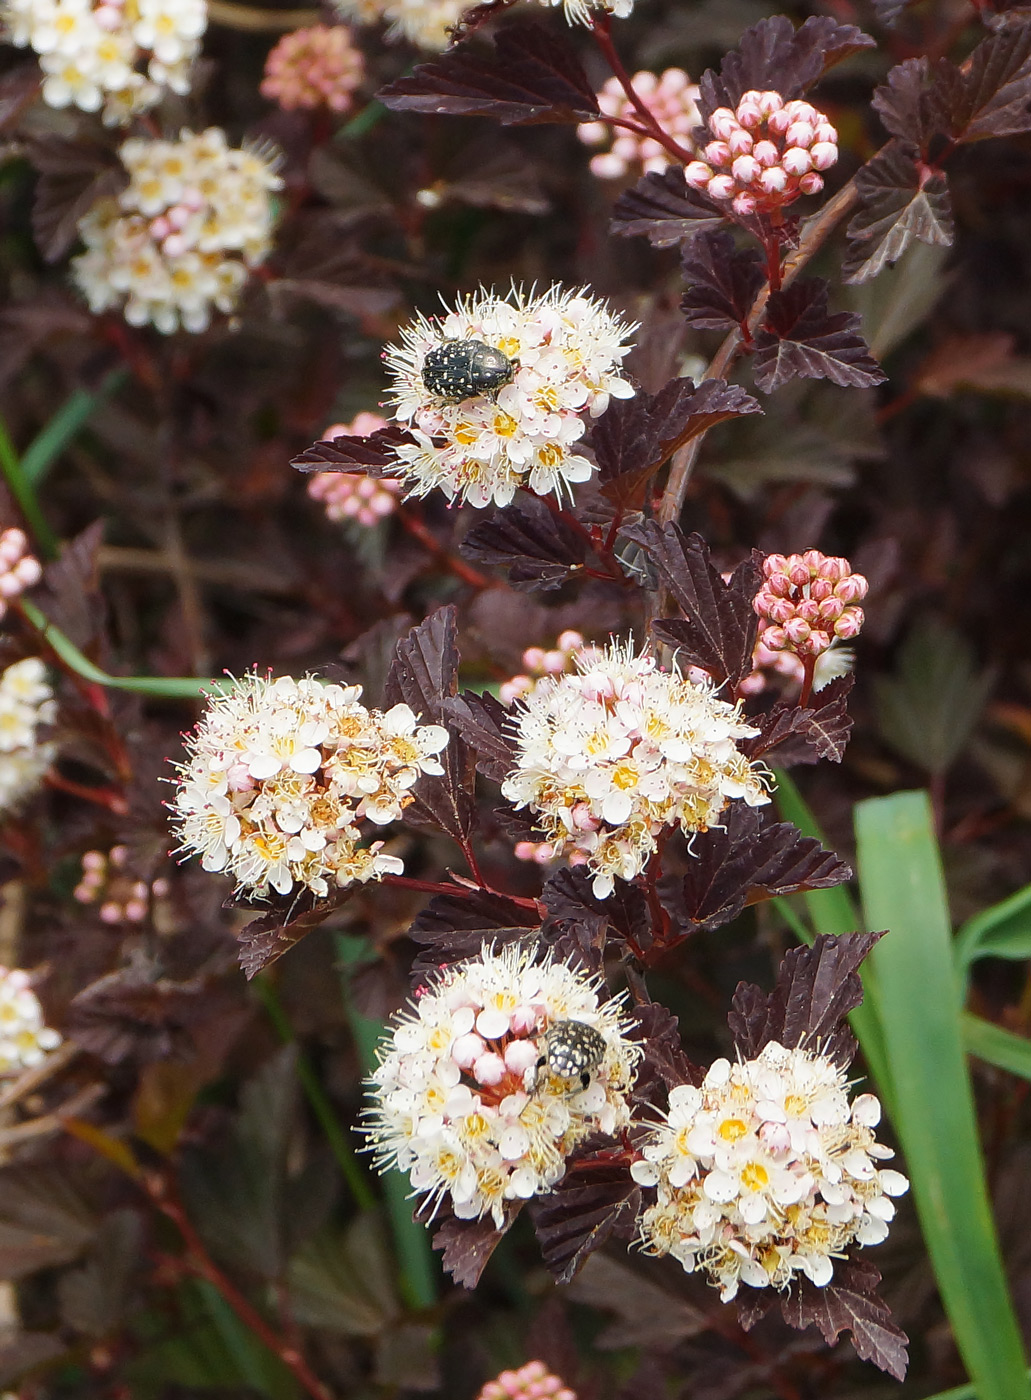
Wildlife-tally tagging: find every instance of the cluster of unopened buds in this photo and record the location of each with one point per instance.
(349, 496)
(563, 656)
(765, 153)
(122, 899)
(807, 601)
(531, 1382)
(117, 55)
(315, 67)
(18, 569)
(24, 1038)
(670, 97)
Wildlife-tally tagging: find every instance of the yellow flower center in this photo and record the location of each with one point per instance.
(732, 1128)
(624, 776)
(755, 1177)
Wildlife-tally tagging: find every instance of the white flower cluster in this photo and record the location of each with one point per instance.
(428, 23)
(611, 755)
(766, 1172)
(24, 1039)
(459, 1101)
(18, 568)
(563, 351)
(180, 240)
(26, 703)
(119, 55)
(281, 773)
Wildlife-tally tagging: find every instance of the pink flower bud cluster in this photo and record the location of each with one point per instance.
(539, 663)
(806, 601)
(18, 569)
(765, 153)
(672, 100)
(122, 899)
(349, 496)
(315, 67)
(531, 1382)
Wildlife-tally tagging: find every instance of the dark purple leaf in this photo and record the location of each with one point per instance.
(531, 77)
(816, 988)
(134, 1013)
(899, 199)
(744, 862)
(718, 628)
(18, 88)
(596, 1196)
(539, 550)
(452, 927)
(663, 209)
(423, 674)
(849, 1303)
(266, 939)
(888, 11)
(372, 456)
(795, 735)
(569, 898)
(73, 175)
(801, 337)
(486, 725)
(664, 1061)
(634, 437)
(996, 89)
(468, 1244)
(70, 591)
(773, 54)
(910, 106)
(722, 281)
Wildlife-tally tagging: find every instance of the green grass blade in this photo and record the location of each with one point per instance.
(997, 1046)
(419, 1273)
(1003, 931)
(47, 543)
(835, 911)
(903, 891)
(44, 450)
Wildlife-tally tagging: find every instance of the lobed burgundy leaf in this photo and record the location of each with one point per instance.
(265, 939)
(453, 927)
(722, 281)
(540, 550)
(531, 77)
(422, 675)
(995, 97)
(718, 627)
(467, 1245)
(849, 1303)
(374, 455)
(664, 209)
(815, 990)
(774, 55)
(798, 735)
(596, 1197)
(568, 898)
(910, 105)
(73, 175)
(132, 1012)
(485, 725)
(899, 199)
(744, 862)
(664, 1062)
(801, 337)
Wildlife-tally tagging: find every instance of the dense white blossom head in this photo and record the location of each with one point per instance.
(461, 1100)
(118, 57)
(766, 1172)
(614, 753)
(24, 1039)
(26, 706)
(430, 24)
(285, 776)
(179, 242)
(560, 355)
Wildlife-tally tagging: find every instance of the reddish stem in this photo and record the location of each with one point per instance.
(458, 567)
(462, 891)
(809, 671)
(601, 26)
(200, 1263)
(103, 797)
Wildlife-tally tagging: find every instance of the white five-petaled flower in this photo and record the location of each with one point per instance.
(283, 772)
(610, 755)
(565, 349)
(178, 243)
(118, 56)
(766, 1172)
(24, 1039)
(458, 1102)
(429, 23)
(26, 703)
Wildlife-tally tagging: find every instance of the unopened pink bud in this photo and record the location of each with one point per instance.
(722, 123)
(533, 658)
(799, 134)
(780, 609)
(554, 662)
(798, 572)
(814, 561)
(524, 850)
(745, 169)
(774, 180)
(748, 114)
(28, 571)
(765, 152)
(823, 155)
(778, 123)
(820, 588)
(744, 203)
(136, 910)
(852, 588)
(739, 142)
(831, 609)
(825, 133)
(796, 161)
(849, 624)
(570, 641)
(697, 174)
(111, 913)
(174, 245)
(770, 102)
(466, 1050)
(774, 564)
(489, 1069)
(808, 611)
(796, 630)
(717, 153)
(721, 187)
(811, 183)
(818, 642)
(775, 638)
